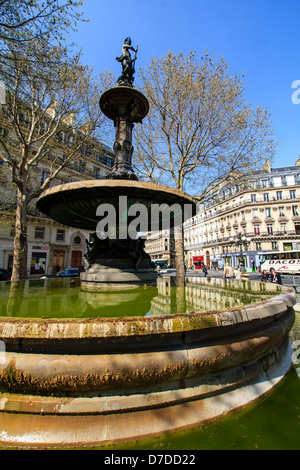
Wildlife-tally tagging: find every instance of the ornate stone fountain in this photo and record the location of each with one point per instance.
(120, 257)
(73, 373)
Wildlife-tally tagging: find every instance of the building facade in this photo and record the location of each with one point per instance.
(161, 246)
(239, 223)
(51, 247)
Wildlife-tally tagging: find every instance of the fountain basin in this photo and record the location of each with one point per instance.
(76, 203)
(118, 259)
(74, 382)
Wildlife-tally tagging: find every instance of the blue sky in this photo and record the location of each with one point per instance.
(259, 38)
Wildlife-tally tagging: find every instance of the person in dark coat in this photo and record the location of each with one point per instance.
(265, 276)
(275, 277)
(204, 269)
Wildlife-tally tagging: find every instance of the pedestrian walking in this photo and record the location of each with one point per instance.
(204, 269)
(228, 272)
(237, 273)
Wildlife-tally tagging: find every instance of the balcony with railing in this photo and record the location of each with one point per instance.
(255, 237)
(246, 201)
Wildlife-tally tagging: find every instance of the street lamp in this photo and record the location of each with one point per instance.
(240, 241)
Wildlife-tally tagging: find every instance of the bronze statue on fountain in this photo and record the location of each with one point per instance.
(125, 106)
(128, 64)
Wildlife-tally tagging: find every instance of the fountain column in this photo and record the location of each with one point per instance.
(125, 106)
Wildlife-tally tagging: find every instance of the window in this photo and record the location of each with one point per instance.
(256, 229)
(258, 245)
(77, 240)
(293, 194)
(295, 210)
(96, 172)
(60, 235)
(45, 175)
(268, 212)
(283, 228)
(279, 195)
(264, 183)
(277, 181)
(290, 179)
(281, 211)
(81, 166)
(253, 197)
(274, 246)
(270, 229)
(38, 263)
(266, 197)
(39, 232)
(254, 213)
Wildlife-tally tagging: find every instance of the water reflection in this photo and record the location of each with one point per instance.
(63, 298)
(205, 294)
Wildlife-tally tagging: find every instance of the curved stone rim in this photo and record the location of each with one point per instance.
(81, 374)
(102, 184)
(196, 386)
(110, 328)
(75, 204)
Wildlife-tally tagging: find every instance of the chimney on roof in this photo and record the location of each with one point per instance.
(298, 162)
(267, 166)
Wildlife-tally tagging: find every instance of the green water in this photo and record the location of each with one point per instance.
(273, 423)
(64, 298)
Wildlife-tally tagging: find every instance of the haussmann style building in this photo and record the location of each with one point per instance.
(239, 223)
(51, 247)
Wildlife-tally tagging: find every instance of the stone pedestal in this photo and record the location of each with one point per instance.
(125, 106)
(101, 275)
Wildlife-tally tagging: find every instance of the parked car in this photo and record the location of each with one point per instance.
(70, 272)
(4, 275)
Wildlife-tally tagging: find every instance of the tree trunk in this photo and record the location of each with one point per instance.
(19, 270)
(179, 251)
